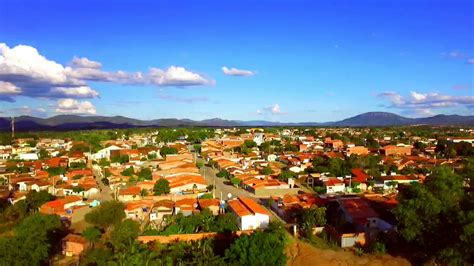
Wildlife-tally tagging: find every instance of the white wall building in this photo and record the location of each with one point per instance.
(250, 215)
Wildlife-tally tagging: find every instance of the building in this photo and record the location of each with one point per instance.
(392, 181)
(59, 206)
(396, 150)
(250, 215)
(334, 185)
(357, 150)
(74, 245)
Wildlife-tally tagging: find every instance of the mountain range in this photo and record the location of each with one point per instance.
(76, 122)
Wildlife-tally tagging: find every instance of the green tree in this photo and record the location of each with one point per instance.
(267, 170)
(259, 248)
(124, 234)
(285, 175)
(92, 234)
(162, 186)
(145, 174)
(128, 171)
(107, 214)
(77, 189)
(97, 256)
(439, 205)
(34, 199)
(37, 234)
(54, 171)
(165, 150)
(312, 217)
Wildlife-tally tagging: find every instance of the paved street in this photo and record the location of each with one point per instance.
(220, 186)
(211, 178)
(105, 191)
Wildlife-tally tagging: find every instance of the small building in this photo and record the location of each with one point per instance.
(212, 204)
(59, 206)
(74, 245)
(129, 194)
(161, 209)
(334, 185)
(250, 215)
(395, 150)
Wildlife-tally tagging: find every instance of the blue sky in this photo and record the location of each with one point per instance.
(287, 60)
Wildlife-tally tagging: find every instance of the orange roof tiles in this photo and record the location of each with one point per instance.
(130, 191)
(243, 206)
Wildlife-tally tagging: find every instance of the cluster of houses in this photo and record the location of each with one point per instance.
(128, 169)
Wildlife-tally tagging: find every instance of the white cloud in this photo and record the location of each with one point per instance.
(26, 110)
(36, 76)
(9, 88)
(272, 109)
(176, 76)
(422, 103)
(470, 61)
(82, 62)
(76, 92)
(237, 72)
(72, 106)
(23, 65)
(418, 96)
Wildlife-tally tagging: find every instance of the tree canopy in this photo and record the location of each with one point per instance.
(107, 214)
(439, 205)
(161, 187)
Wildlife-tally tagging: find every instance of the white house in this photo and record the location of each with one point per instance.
(259, 138)
(272, 157)
(104, 153)
(32, 156)
(334, 185)
(392, 181)
(250, 215)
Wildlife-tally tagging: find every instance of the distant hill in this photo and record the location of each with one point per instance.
(76, 122)
(375, 119)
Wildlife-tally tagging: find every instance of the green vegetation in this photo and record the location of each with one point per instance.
(200, 223)
(109, 213)
(77, 165)
(259, 248)
(92, 234)
(145, 174)
(128, 171)
(162, 186)
(165, 150)
(439, 205)
(311, 218)
(120, 159)
(54, 171)
(267, 170)
(223, 174)
(33, 240)
(285, 175)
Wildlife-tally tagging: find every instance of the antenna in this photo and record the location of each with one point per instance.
(13, 127)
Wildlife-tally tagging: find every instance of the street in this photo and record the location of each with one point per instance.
(221, 187)
(105, 191)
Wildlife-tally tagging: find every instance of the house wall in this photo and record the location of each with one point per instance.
(72, 248)
(248, 222)
(350, 240)
(187, 187)
(335, 189)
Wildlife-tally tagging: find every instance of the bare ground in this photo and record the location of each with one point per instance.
(302, 253)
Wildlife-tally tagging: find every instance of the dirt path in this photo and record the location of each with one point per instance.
(301, 253)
